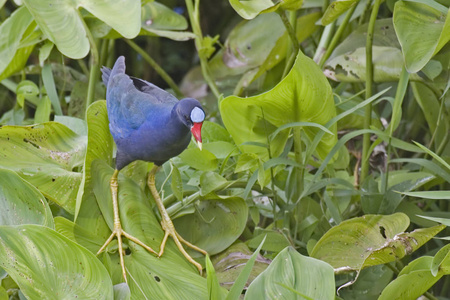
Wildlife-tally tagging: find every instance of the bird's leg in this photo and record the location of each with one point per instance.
(118, 231)
(167, 224)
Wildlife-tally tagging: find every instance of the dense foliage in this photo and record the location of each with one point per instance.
(325, 171)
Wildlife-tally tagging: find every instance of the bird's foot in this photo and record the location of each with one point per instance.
(119, 232)
(169, 230)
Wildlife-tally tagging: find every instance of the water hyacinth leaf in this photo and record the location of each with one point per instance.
(21, 203)
(199, 159)
(441, 261)
(62, 23)
(304, 95)
(335, 9)
(157, 19)
(251, 8)
(370, 240)
(422, 29)
(12, 30)
(169, 277)
(216, 223)
(45, 155)
(46, 264)
(293, 274)
(231, 262)
(413, 281)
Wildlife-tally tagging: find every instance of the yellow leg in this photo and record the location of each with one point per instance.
(167, 224)
(118, 231)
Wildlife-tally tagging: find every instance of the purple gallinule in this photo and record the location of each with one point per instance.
(147, 123)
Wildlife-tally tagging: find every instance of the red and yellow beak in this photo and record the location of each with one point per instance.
(196, 130)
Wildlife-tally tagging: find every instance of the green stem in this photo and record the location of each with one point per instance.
(166, 77)
(290, 30)
(369, 87)
(94, 65)
(337, 36)
(195, 24)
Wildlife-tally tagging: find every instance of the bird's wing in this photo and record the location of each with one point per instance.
(132, 101)
(159, 94)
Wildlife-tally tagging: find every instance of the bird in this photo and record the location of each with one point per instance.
(149, 124)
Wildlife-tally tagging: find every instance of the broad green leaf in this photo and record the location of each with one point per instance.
(368, 284)
(158, 19)
(231, 262)
(122, 291)
(414, 280)
(62, 23)
(21, 203)
(46, 265)
(370, 240)
(304, 95)
(335, 9)
(99, 146)
(176, 183)
(210, 182)
(294, 276)
(422, 29)
(216, 223)
(199, 159)
(275, 241)
(249, 9)
(45, 155)
(441, 261)
(12, 30)
(168, 277)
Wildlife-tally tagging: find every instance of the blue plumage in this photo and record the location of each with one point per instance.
(146, 122)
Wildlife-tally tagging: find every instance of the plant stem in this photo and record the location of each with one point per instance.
(166, 77)
(195, 24)
(290, 30)
(369, 81)
(337, 36)
(93, 64)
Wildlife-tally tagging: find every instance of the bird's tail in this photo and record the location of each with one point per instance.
(119, 68)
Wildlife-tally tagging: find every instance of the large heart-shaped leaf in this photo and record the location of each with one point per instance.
(370, 240)
(46, 265)
(22, 203)
(45, 155)
(216, 223)
(168, 277)
(422, 29)
(248, 9)
(294, 276)
(62, 23)
(12, 30)
(304, 95)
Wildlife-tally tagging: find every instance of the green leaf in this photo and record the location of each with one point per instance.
(216, 223)
(62, 23)
(12, 30)
(304, 95)
(176, 183)
(43, 110)
(370, 240)
(438, 220)
(22, 203)
(45, 155)
(199, 159)
(210, 182)
(335, 9)
(249, 9)
(414, 280)
(241, 280)
(292, 274)
(46, 264)
(438, 195)
(169, 277)
(230, 263)
(49, 83)
(215, 292)
(423, 28)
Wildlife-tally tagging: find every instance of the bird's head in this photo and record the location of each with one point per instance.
(191, 113)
